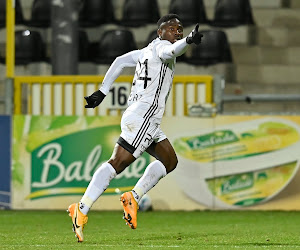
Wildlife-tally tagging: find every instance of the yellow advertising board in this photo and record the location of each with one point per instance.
(238, 162)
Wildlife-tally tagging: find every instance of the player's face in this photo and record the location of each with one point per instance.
(171, 30)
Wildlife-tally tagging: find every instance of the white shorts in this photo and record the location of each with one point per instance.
(138, 132)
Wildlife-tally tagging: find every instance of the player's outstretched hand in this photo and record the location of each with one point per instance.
(94, 99)
(194, 36)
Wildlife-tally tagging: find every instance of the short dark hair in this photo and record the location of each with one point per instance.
(166, 18)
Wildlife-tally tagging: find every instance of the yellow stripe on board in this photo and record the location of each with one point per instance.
(74, 190)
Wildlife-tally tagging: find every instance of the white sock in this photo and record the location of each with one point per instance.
(153, 173)
(100, 181)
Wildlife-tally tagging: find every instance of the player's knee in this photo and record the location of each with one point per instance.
(171, 164)
(119, 164)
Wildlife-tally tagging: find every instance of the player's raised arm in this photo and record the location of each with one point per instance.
(175, 45)
(127, 60)
(195, 36)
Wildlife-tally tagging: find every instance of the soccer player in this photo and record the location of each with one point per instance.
(140, 124)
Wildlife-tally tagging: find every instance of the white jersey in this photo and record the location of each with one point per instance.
(155, 65)
(153, 79)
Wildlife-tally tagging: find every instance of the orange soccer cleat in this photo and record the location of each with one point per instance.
(78, 219)
(130, 207)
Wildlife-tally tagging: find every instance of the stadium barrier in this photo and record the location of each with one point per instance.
(63, 95)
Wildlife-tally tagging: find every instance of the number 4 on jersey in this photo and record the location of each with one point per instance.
(146, 78)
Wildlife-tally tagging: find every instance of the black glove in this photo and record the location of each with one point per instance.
(94, 100)
(194, 36)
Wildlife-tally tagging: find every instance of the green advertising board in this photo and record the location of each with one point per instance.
(61, 154)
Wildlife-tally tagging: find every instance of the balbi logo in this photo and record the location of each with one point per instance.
(66, 165)
(212, 139)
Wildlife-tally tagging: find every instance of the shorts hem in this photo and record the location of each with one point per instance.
(124, 144)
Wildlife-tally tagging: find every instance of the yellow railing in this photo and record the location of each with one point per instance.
(207, 80)
(29, 81)
(10, 38)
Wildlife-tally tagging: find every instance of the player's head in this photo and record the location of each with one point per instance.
(170, 28)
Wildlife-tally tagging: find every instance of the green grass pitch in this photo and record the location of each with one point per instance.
(159, 229)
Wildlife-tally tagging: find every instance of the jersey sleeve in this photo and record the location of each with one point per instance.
(166, 50)
(129, 59)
